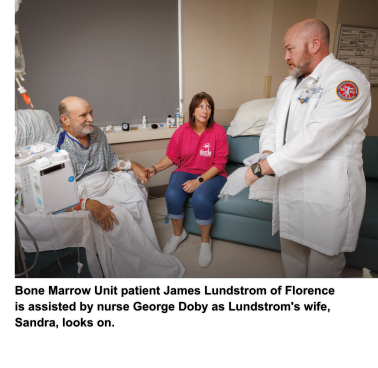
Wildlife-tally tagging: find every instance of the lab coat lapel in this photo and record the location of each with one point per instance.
(283, 108)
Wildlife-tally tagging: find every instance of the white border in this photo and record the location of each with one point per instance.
(181, 97)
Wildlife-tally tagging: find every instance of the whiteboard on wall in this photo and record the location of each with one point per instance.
(358, 46)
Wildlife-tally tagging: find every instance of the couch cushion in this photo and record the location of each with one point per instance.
(370, 157)
(369, 225)
(242, 147)
(240, 205)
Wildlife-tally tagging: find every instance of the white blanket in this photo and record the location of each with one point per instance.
(261, 190)
(130, 250)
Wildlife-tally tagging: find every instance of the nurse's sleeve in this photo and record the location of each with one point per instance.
(268, 136)
(331, 121)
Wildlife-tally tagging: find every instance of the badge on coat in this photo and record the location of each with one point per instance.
(347, 90)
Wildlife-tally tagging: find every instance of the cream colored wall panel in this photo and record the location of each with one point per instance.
(216, 50)
(142, 134)
(285, 14)
(358, 13)
(224, 117)
(327, 11)
(132, 147)
(260, 47)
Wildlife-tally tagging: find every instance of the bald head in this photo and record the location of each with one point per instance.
(309, 29)
(306, 44)
(69, 104)
(76, 116)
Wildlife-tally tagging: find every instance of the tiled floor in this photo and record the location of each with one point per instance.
(230, 259)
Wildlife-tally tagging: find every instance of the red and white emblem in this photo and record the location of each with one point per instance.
(347, 90)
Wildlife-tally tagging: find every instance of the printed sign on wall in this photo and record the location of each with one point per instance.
(358, 46)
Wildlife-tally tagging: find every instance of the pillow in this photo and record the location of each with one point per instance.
(252, 114)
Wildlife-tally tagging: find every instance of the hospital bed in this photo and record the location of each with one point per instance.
(34, 126)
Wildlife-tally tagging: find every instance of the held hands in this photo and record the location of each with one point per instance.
(140, 172)
(191, 185)
(102, 213)
(150, 172)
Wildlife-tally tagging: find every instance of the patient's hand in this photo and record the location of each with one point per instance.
(139, 172)
(102, 213)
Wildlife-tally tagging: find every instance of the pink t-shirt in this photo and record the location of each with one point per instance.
(198, 153)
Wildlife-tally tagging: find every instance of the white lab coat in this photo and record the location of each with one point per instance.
(320, 189)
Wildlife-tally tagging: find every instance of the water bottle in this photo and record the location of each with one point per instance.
(178, 117)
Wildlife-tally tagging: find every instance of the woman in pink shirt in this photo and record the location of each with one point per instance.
(199, 148)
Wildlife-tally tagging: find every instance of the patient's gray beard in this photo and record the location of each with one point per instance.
(88, 129)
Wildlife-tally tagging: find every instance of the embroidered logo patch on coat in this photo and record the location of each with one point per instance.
(347, 90)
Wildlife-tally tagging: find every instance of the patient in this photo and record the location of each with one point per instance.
(114, 197)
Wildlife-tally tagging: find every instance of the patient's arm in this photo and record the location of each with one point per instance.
(102, 213)
(138, 171)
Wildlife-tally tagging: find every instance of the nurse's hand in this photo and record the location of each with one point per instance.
(102, 214)
(191, 185)
(250, 177)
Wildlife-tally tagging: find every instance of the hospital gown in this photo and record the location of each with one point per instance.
(98, 157)
(131, 249)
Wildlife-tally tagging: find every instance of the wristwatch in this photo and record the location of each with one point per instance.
(200, 179)
(256, 169)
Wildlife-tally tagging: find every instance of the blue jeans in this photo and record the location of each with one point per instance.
(203, 198)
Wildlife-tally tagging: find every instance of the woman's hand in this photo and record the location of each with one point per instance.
(150, 171)
(191, 185)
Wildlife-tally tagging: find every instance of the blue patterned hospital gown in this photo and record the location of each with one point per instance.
(98, 157)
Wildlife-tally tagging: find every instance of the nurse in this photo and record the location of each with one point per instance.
(314, 137)
(200, 149)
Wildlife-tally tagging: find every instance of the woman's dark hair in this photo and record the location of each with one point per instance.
(196, 100)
